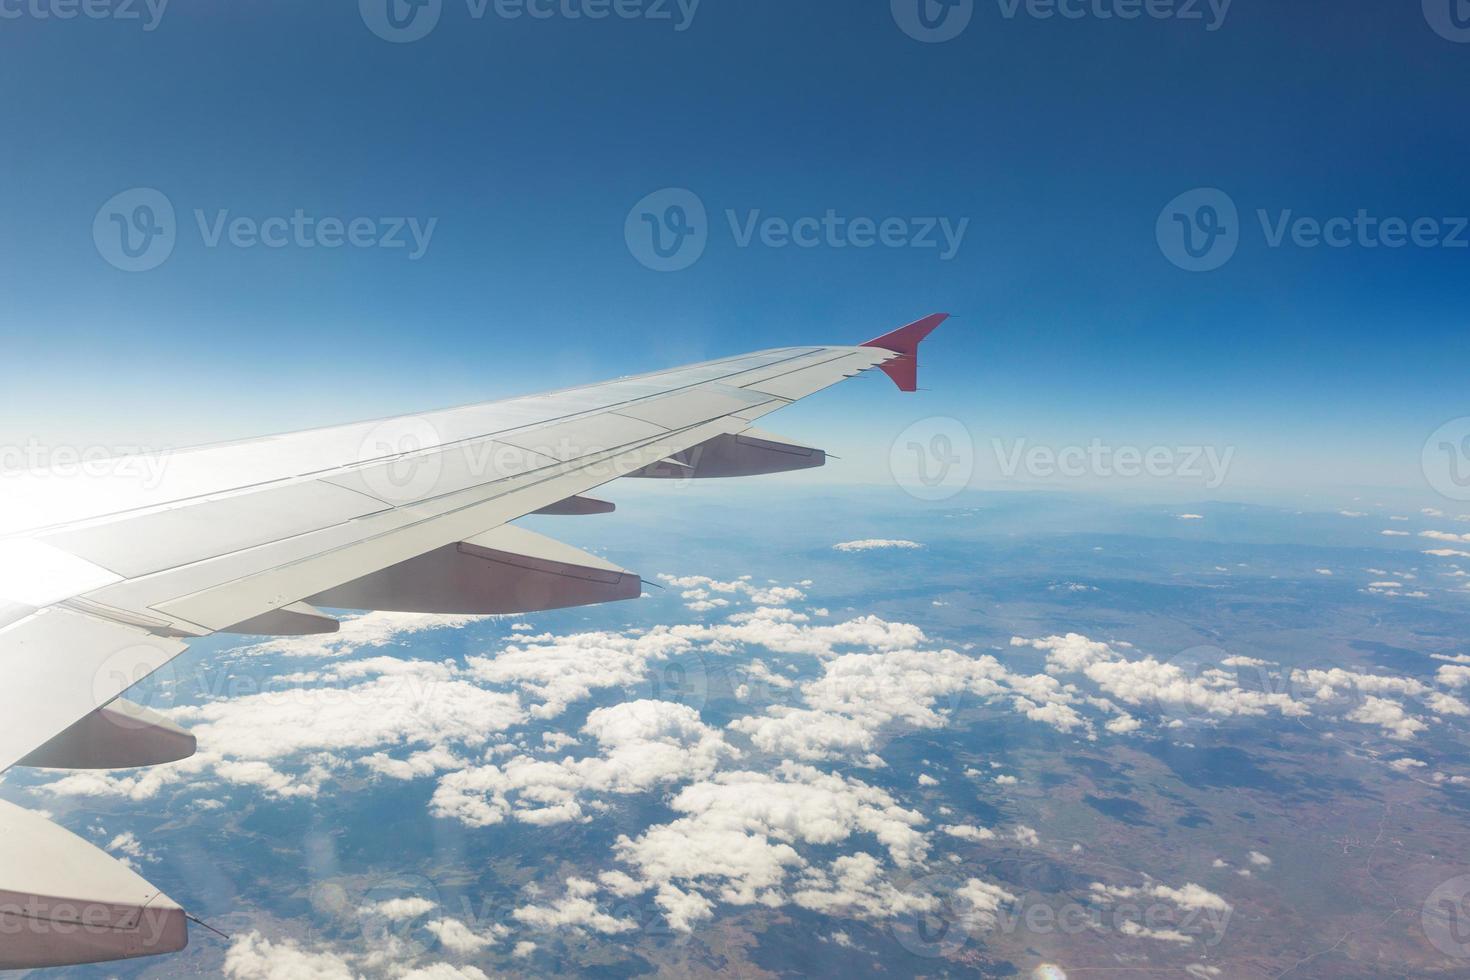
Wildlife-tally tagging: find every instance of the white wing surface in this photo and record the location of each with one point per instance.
(104, 580)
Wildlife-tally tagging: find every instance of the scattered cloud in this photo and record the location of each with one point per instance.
(576, 911)
(877, 544)
(751, 818)
(253, 957)
(740, 839)
(1190, 896)
(1388, 715)
(1452, 675)
(643, 744)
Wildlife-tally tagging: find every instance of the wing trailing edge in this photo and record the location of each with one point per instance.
(64, 902)
(577, 506)
(297, 619)
(748, 453)
(502, 572)
(121, 735)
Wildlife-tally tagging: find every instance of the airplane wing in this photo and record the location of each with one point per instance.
(104, 580)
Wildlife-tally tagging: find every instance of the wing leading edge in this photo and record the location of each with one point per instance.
(102, 584)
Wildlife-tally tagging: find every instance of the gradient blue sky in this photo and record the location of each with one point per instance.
(530, 140)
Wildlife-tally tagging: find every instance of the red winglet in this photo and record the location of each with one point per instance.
(904, 370)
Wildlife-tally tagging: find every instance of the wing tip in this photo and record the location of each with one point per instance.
(904, 369)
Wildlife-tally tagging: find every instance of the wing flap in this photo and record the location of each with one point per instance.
(577, 506)
(748, 453)
(297, 619)
(60, 666)
(121, 735)
(504, 571)
(64, 902)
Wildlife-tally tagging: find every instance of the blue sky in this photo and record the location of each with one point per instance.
(528, 141)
